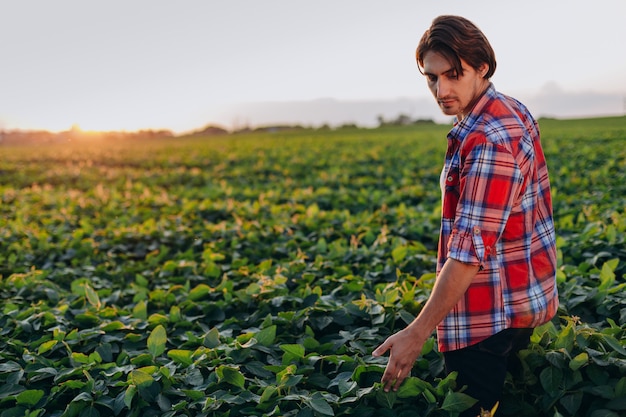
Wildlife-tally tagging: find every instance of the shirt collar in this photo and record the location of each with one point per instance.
(462, 127)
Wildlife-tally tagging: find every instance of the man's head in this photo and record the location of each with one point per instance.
(456, 39)
(458, 61)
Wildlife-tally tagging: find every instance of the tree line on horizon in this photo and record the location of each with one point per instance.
(76, 134)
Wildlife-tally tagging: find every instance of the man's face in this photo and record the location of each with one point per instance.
(454, 93)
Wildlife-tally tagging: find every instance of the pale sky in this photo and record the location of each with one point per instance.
(138, 64)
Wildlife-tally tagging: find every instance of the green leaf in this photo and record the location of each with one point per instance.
(73, 384)
(87, 319)
(89, 412)
(163, 402)
(321, 246)
(146, 385)
(156, 319)
(607, 275)
(46, 346)
(614, 344)
(572, 402)
(319, 404)
(92, 296)
(457, 401)
(140, 378)
(430, 397)
(620, 387)
(578, 361)
(551, 379)
(129, 395)
(293, 349)
(212, 338)
(80, 357)
(78, 286)
(83, 397)
(565, 339)
(95, 358)
(231, 376)
(175, 315)
(15, 412)
(10, 366)
(29, 397)
(199, 292)
(266, 336)
(157, 341)
(264, 265)
(361, 370)
(114, 325)
(8, 390)
(411, 387)
(345, 387)
(195, 395)
(268, 392)
(386, 399)
(399, 253)
(183, 357)
(141, 310)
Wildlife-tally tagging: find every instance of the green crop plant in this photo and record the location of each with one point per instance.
(253, 274)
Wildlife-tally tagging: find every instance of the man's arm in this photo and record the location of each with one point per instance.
(405, 346)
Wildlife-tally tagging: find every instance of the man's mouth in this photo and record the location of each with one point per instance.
(446, 102)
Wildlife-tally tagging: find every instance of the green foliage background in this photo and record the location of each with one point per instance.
(254, 274)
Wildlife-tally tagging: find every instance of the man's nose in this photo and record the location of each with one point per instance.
(443, 87)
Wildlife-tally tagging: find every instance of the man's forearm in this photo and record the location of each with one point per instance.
(453, 280)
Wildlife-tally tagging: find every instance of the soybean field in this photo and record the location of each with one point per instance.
(253, 274)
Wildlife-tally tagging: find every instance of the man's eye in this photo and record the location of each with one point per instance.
(454, 76)
(431, 78)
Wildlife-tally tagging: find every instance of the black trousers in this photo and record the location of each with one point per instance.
(483, 367)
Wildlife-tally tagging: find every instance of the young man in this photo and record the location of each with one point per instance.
(497, 254)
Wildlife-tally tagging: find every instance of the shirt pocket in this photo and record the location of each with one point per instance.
(451, 191)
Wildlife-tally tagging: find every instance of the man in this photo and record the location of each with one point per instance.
(497, 256)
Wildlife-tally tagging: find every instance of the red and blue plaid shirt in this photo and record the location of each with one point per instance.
(497, 213)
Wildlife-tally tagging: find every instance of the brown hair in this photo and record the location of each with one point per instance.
(457, 38)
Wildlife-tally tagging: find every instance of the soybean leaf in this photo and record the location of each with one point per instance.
(199, 292)
(578, 361)
(157, 341)
(386, 399)
(266, 336)
(46, 346)
(92, 296)
(457, 402)
(399, 253)
(181, 356)
(412, 387)
(320, 405)
(232, 376)
(129, 394)
(212, 338)
(29, 397)
(295, 350)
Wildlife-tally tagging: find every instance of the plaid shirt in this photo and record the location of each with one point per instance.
(497, 213)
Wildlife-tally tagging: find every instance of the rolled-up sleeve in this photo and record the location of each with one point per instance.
(490, 183)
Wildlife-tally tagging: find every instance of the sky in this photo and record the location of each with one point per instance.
(155, 64)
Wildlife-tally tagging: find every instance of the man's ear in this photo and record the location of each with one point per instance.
(484, 69)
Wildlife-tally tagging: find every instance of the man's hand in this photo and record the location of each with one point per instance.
(404, 348)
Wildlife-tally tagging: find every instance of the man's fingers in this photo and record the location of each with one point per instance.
(393, 377)
(401, 377)
(380, 350)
